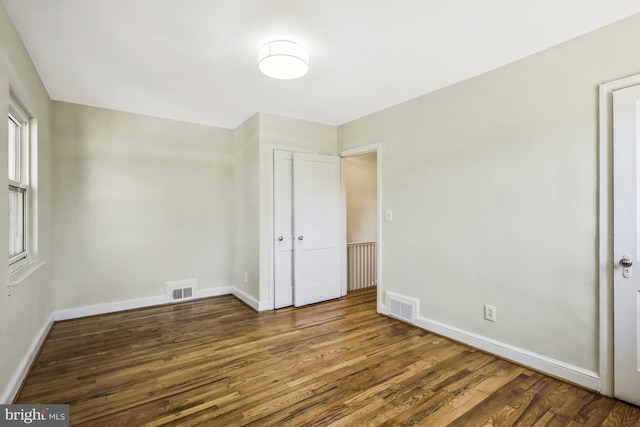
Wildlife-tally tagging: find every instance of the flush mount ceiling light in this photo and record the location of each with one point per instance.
(283, 59)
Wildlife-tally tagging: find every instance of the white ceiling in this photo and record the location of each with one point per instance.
(196, 60)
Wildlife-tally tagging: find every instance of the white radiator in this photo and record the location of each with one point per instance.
(361, 265)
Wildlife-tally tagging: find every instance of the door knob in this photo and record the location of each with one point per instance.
(300, 237)
(280, 239)
(626, 261)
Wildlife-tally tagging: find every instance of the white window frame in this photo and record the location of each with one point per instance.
(18, 115)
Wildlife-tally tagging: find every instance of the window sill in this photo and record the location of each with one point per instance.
(19, 276)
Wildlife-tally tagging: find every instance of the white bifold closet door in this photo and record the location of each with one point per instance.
(307, 216)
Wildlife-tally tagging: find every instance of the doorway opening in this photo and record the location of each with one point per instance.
(362, 221)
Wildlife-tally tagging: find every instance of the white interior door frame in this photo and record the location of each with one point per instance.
(605, 227)
(373, 148)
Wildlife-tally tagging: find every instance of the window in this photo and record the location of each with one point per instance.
(18, 168)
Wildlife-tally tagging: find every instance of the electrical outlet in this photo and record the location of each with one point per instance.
(246, 277)
(490, 313)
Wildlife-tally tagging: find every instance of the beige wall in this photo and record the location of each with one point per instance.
(141, 201)
(246, 149)
(138, 201)
(362, 211)
(493, 186)
(24, 311)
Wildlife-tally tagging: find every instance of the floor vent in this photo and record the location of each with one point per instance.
(182, 290)
(402, 307)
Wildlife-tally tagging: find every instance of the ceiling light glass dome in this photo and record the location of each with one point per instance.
(283, 59)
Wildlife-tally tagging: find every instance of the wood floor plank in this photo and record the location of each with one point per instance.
(594, 412)
(622, 415)
(215, 362)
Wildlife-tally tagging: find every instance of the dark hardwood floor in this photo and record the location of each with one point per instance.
(216, 362)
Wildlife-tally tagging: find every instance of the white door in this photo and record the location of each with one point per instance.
(626, 245)
(283, 227)
(316, 219)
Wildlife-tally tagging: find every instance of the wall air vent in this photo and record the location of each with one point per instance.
(402, 307)
(181, 293)
(182, 290)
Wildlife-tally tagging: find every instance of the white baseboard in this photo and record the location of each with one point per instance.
(265, 305)
(109, 307)
(246, 298)
(538, 362)
(13, 387)
(92, 310)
